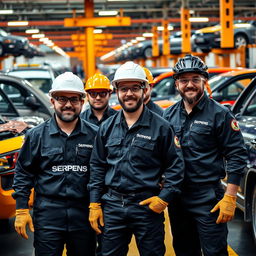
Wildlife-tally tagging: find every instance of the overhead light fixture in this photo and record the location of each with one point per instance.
(140, 38)
(32, 31)
(38, 35)
(17, 23)
(134, 41)
(147, 34)
(161, 28)
(107, 13)
(44, 39)
(118, 0)
(97, 31)
(198, 19)
(6, 11)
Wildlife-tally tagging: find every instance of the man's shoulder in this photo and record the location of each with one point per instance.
(39, 128)
(168, 111)
(89, 125)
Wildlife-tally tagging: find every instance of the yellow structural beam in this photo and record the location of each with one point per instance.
(226, 22)
(185, 31)
(97, 21)
(75, 37)
(101, 42)
(165, 37)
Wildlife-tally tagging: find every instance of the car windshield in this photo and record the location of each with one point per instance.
(216, 80)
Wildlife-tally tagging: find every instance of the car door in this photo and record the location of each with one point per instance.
(7, 109)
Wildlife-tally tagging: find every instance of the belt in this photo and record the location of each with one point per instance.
(134, 194)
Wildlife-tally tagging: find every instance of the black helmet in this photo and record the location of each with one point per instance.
(190, 63)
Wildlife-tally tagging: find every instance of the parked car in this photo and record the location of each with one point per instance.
(11, 139)
(19, 98)
(209, 37)
(41, 77)
(33, 51)
(245, 111)
(226, 86)
(10, 44)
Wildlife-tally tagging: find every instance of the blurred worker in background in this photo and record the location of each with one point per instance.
(147, 100)
(132, 150)
(54, 160)
(98, 91)
(212, 145)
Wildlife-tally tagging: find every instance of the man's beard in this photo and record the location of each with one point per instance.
(67, 118)
(131, 109)
(99, 108)
(194, 99)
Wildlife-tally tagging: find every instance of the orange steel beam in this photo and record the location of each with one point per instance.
(96, 36)
(226, 19)
(165, 37)
(185, 30)
(97, 21)
(155, 45)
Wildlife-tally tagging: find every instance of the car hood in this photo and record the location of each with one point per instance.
(248, 126)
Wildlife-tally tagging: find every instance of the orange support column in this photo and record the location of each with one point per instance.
(166, 44)
(155, 46)
(226, 22)
(185, 30)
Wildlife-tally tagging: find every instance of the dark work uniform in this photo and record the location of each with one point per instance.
(155, 108)
(91, 118)
(208, 135)
(57, 166)
(130, 164)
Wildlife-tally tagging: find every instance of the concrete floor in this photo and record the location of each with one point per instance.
(240, 240)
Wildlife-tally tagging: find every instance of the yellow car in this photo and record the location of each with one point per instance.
(11, 139)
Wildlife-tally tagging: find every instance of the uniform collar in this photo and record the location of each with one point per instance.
(199, 106)
(144, 119)
(105, 114)
(54, 128)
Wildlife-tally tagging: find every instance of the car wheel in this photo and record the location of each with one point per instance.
(1, 50)
(240, 40)
(254, 213)
(148, 52)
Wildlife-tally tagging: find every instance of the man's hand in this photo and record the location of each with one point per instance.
(155, 203)
(96, 216)
(22, 219)
(226, 207)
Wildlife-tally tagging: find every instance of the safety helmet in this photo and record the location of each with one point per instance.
(98, 81)
(149, 75)
(129, 71)
(67, 82)
(190, 63)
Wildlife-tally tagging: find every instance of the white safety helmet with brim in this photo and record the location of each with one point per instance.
(130, 71)
(67, 82)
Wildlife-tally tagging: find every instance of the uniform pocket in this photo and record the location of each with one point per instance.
(113, 146)
(52, 155)
(83, 156)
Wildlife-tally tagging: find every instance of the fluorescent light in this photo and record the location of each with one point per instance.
(242, 25)
(6, 11)
(198, 19)
(147, 34)
(161, 28)
(44, 39)
(97, 31)
(17, 23)
(32, 31)
(107, 13)
(118, 0)
(134, 41)
(38, 35)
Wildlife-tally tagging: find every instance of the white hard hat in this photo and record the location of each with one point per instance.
(129, 71)
(67, 82)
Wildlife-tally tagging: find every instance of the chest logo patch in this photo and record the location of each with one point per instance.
(176, 142)
(235, 125)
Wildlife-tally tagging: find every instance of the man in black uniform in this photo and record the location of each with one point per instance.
(54, 160)
(212, 144)
(147, 100)
(132, 151)
(98, 92)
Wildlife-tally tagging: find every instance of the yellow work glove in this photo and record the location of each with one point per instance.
(226, 206)
(22, 219)
(96, 216)
(155, 203)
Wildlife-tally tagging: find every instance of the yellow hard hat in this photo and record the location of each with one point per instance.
(98, 81)
(149, 75)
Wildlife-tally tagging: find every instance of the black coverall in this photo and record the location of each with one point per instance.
(212, 145)
(155, 108)
(57, 167)
(91, 118)
(129, 163)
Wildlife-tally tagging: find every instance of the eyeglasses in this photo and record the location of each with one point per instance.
(194, 80)
(95, 94)
(133, 89)
(63, 100)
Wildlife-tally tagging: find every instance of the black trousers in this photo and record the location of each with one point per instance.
(58, 222)
(123, 217)
(51, 242)
(194, 228)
